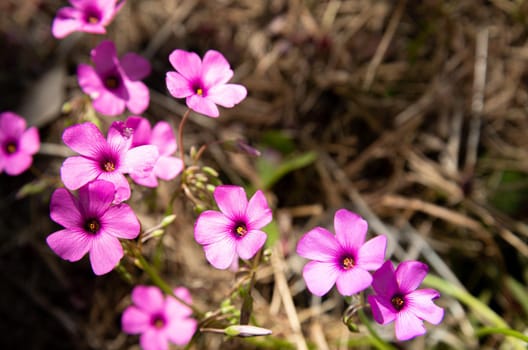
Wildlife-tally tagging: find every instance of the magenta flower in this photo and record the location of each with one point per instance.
(159, 319)
(343, 259)
(91, 225)
(90, 16)
(115, 83)
(398, 300)
(104, 159)
(167, 167)
(203, 84)
(17, 145)
(234, 231)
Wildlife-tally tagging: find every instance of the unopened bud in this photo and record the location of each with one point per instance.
(167, 220)
(246, 331)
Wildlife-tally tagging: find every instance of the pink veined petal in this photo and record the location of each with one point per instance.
(221, 253)
(122, 187)
(188, 64)
(258, 213)
(12, 125)
(85, 139)
(70, 244)
(353, 281)
(227, 95)
(134, 66)
(78, 171)
(163, 138)
(420, 302)
(384, 280)
(89, 81)
(350, 229)
(372, 254)
(408, 326)
(105, 254)
(108, 104)
(148, 181)
(104, 57)
(215, 69)
(382, 309)
(250, 244)
(134, 320)
(410, 275)
(167, 168)
(140, 160)
(148, 298)
(17, 163)
(318, 244)
(30, 141)
(181, 331)
(202, 105)
(95, 198)
(153, 339)
(67, 21)
(178, 85)
(231, 200)
(141, 130)
(320, 276)
(139, 96)
(64, 209)
(211, 226)
(121, 222)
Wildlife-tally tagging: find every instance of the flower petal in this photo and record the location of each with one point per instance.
(250, 244)
(148, 298)
(318, 244)
(120, 221)
(64, 209)
(177, 308)
(148, 181)
(89, 81)
(320, 276)
(122, 187)
(353, 281)
(70, 244)
(211, 226)
(371, 255)
(382, 310)
(215, 69)
(408, 326)
(420, 302)
(141, 130)
(221, 253)
(167, 168)
(95, 198)
(17, 163)
(78, 171)
(139, 96)
(153, 339)
(178, 85)
(181, 331)
(258, 213)
(202, 105)
(227, 95)
(410, 275)
(108, 103)
(135, 66)
(134, 320)
(163, 138)
(12, 125)
(141, 160)
(67, 21)
(85, 139)
(384, 281)
(104, 57)
(350, 229)
(105, 254)
(232, 201)
(30, 141)
(188, 64)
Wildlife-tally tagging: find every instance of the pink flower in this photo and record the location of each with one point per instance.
(167, 167)
(398, 300)
(115, 83)
(159, 319)
(343, 259)
(91, 225)
(90, 16)
(104, 159)
(17, 145)
(234, 231)
(203, 84)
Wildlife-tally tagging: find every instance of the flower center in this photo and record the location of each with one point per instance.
(92, 16)
(398, 302)
(158, 321)
(199, 92)
(240, 229)
(347, 263)
(108, 166)
(10, 147)
(92, 225)
(111, 82)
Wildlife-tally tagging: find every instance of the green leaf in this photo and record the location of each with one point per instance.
(271, 173)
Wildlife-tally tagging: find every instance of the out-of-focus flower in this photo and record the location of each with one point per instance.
(343, 259)
(203, 83)
(399, 300)
(90, 16)
(17, 144)
(104, 159)
(234, 231)
(158, 319)
(114, 83)
(91, 225)
(167, 167)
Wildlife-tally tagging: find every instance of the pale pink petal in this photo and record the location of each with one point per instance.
(382, 310)
(70, 244)
(78, 171)
(135, 66)
(372, 254)
(318, 244)
(85, 139)
(67, 21)
(250, 244)
(17, 163)
(120, 221)
(420, 302)
(89, 81)
(64, 209)
(108, 104)
(148, 298)
(167, 168)
(95, 198)
(163, 137)
(150, 180)
(384, 280)
(139, 96)
(188, 64)
(30, 141)
(175, 307)
(122, 187)
(140, 160)
(258, 213)
(178, 85)
(215, 69)
(408, 326)
(119, 139)
(153, 339)
(212, 226)
(134, 320)
(181, 331)
(353, 281)
(350, 229)
(104, 57)
(12, 125)
(202, 105)
(227, 95)
(320, 276)
(231, 200)
(410, 275)
(220, 254)
(105, 254)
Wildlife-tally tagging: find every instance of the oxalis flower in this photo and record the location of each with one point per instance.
(159, 319)
(17, 144)
(91, 225)
(234, 231)
(90, 16)
(167, 167)
(104, 159)
(343, 259)
(398, 300)
(115, 83)
(203, 83)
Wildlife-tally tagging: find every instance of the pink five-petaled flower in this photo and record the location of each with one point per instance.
(398, 300)
(234, 231)
(91, 225)
(167, 167)
(203, 84)
(17, 145)
(115, 83)
(104, 159)
(90, 16)
(343, 259)
(159, 319)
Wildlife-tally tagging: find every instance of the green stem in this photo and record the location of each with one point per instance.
(376, 339)
(247, 304)
(180, 136)
(504, 331)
